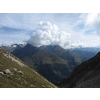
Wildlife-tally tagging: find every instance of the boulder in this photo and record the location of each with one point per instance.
(14, 69)
(7, 71)
(43, 86)
(31, 85)
(2, 73)
(20, 72)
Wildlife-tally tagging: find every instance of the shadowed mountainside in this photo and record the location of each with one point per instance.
(86, 75)
(45, 62)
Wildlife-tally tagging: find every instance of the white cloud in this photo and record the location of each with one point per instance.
(49, 34)
(79, 29)
(79, 39)
(28, 21)
(91, 20)
(16, 37)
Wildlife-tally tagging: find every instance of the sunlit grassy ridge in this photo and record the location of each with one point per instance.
(21, 75)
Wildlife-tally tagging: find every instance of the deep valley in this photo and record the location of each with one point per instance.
(48, 65)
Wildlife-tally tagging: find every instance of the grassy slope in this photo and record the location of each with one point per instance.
(30, 78)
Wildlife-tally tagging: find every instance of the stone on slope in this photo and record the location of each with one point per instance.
(7, 71)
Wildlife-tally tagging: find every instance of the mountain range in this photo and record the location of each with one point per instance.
(42, 66)
(73, 57)
(13, 47)
(14, 73)
(52, 62)
(93, 49)
(85, 55)
(48, 64)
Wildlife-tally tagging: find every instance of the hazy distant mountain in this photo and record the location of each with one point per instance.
(85, 55)
(45, 62)
(86, 74)
(16, 74)
(13, 47)
(93, 49)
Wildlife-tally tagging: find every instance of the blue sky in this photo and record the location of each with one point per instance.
(65, 29)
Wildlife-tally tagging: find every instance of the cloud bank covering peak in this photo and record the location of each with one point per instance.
(69, 30)
(49, 34)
